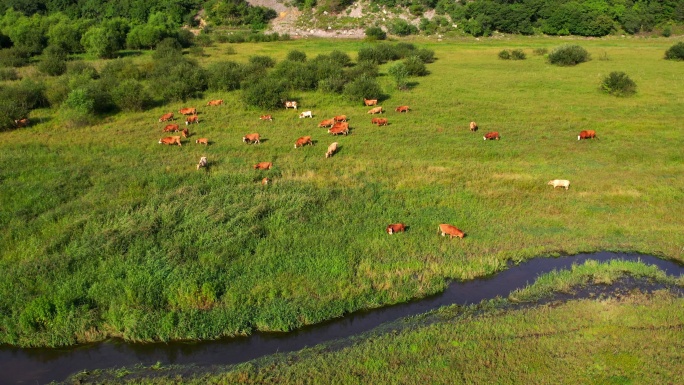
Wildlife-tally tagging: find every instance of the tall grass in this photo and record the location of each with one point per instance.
(107, 232)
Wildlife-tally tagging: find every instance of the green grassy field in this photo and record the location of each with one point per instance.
(107, 233)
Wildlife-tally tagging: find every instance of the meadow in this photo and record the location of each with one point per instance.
(107, 233)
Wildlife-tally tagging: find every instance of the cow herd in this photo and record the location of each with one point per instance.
(336, 125)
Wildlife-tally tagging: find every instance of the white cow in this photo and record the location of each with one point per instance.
(202, 162)
(290, 104)
(559, 182)
(306, 114)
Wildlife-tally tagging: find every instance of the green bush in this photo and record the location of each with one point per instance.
(8, 74)
(53, 62)
(178, 80)
(340, 57)
(80, 67)
(225, 76)
(676, 52)
(203, 40)
(399, 72)
(618, 84)
(78, 109)
(518, 54)
(120, 69)
(363, 68)
(14, 57)
(130, 95)
(11, 108)
(30, 94)
(401, 27)
(415, 66)
(295, 55)
(264, 92)
(169, 48)
(262, 61)
(375, 33)
(362, 87)
(505, 54)
(381, 53)
(296, 75)
(185, 38)
(197, 51)
(426, 55)
(568, 55)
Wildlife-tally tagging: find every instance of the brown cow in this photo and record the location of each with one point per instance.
(451, 231)
(376, 110)
(263, 166)
(402, 109)
(266, 117)
(166, 117)
(265, 181)
(170, 140)
(340, 118)
(215, 102)
(290, 103)
(491, 135)
(21, 122)
(326, 123)
(185, 132)
(339, 128)
(379, 121)
(587, 134)
(203, 141)
(192, 119)
(251, 138)
(331, 150)
(304, 140)
(188, 111)
(395, 228)
(370, 102)
(473, 126)
(172, 128)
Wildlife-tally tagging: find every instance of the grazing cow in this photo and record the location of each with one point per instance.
(340, 118)
(251, 138)
(379, 121)
(166, 117)
(192, 119)
(263, 166)
(370, 102)
(21, 122)
(188, 111)
(202, 162)
(559, 182)
(473, 126)
(326, 123)
(376, 110)
(587, 134)
(402, 109)
(395, 228)
(339, 128)
(451, 231)
(304, 140)
(291, 104)
(306, 114)
(185, 132)
(491, 135)
(265, 181)
(266, 117)
(203, 141)
(172, 128)
(170, 140)
(331, 150)
(215, 102)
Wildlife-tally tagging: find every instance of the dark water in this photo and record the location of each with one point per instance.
(38, 366)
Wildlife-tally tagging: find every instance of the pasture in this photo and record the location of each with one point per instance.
(108, 233)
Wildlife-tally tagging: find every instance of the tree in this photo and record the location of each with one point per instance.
(399, 72)
(103, 41)
(54, 61)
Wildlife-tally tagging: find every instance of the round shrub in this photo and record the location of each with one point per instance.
(296, 75)
(178, 80)
(54, 61)
(340, 57)
(426, 55)
(80, 67)
(130, 95)
(362, 87)
(225, 76)
(568, 55)
(14, 57)
(401, 27)
(505, 54)
(399, 72)
(518, 54)
(676, 52)
(11, 108)
(266, 93)
(262, 61)
(295, 55)
(363, 68)
(168, 48)
(618, 84)
(415, 66)
(78, 108)
(375, 33)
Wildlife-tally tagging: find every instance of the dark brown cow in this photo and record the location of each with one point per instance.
(379, 121)
(166, 117)
(376, 110)
(451, 231)
(188, 111)
(326, 123)
(192, 119)
(340, 118)
(172, 128)
(263, 166)
(395, 228)
(203, 141)
(492, 135)
(251, 138)
(290, 104)
(473, 126)
(402, 109)
(21, 122)
(266, 117)
(304, 140)
(370, 102)
(587, 134)
(215, 102)
(170, 140)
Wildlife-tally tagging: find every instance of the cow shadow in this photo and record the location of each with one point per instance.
(411, 85)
